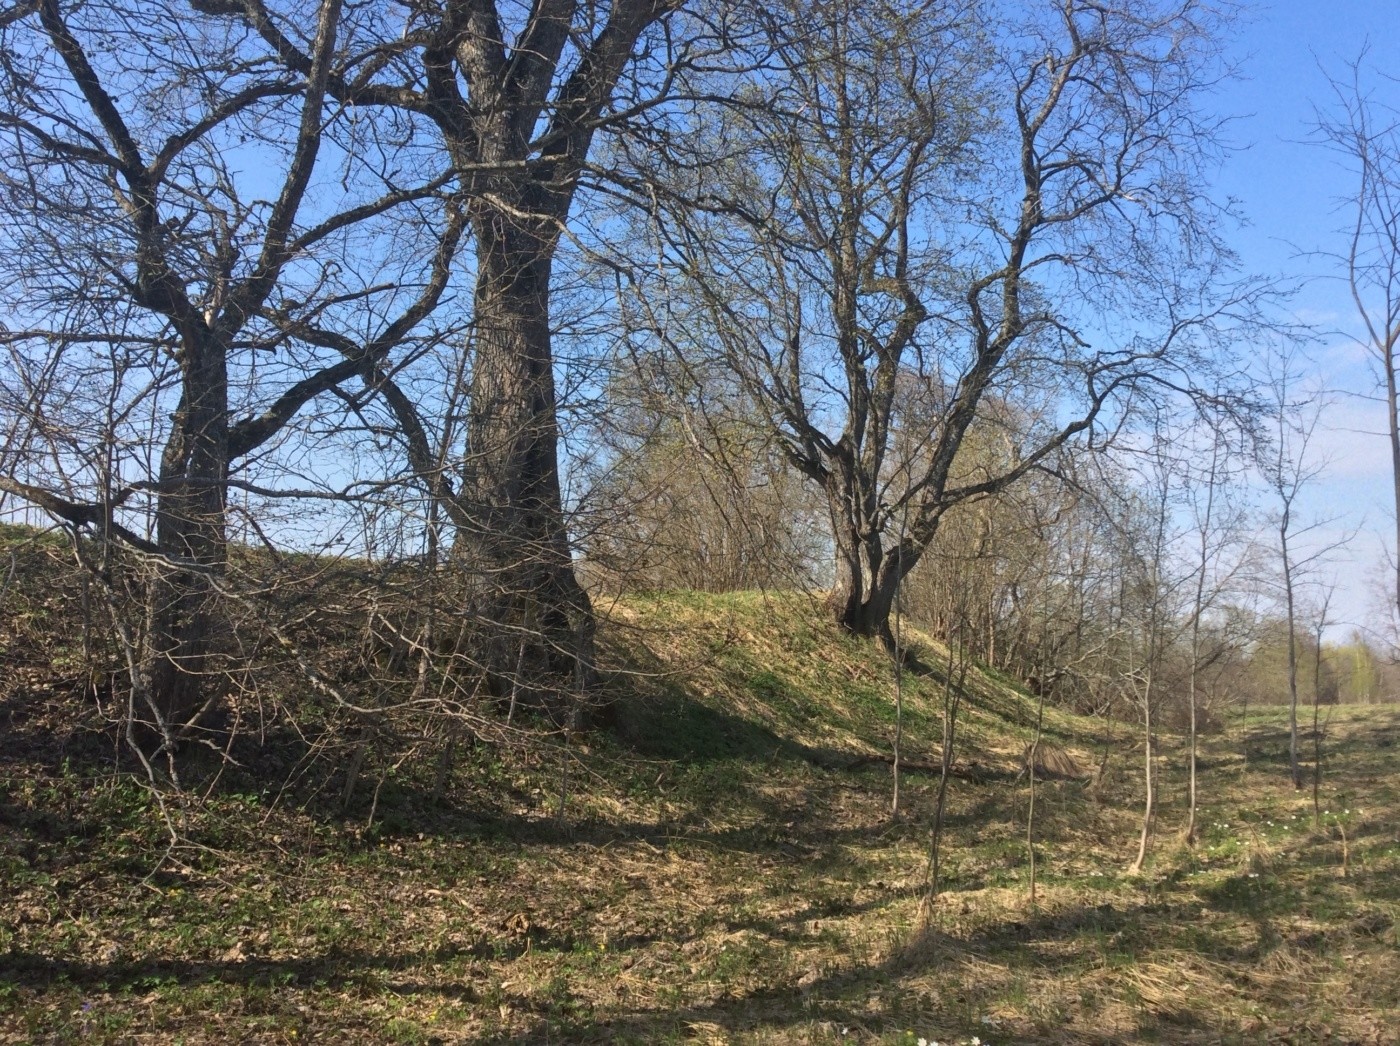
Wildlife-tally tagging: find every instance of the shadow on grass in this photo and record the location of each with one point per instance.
(335, 969)
(843, 998)
(1032, 944)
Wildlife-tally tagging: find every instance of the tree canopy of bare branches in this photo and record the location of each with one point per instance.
(1366, 135)
(179, 213)
(935, 224)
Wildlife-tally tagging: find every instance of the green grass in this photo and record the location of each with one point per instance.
(728, 872)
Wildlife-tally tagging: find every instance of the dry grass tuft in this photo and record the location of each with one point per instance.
(1052, 761)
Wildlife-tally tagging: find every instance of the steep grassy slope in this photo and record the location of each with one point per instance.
(726, 871)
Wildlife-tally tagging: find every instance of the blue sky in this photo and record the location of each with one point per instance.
(1288, 189)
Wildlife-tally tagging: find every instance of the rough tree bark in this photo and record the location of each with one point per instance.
(518, 97)
(512, 541)
(868, 577)
(183, 631)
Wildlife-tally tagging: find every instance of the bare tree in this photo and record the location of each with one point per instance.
(1319, 628)
(517, 95)
(954, 689)
(1221, 560)
(1365, 133)
(1148, 595)
(1289, 467)
(172, 223)
(1205, 513)
(915, 225)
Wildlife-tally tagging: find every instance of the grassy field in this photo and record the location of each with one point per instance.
(726, 871)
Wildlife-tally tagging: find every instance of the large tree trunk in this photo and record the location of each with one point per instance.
(868, 574)
(862, 607)
(515, 547)
(183, 633)
(867, 580)
(537, 88)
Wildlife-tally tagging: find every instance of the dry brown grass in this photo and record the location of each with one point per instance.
(722, 879)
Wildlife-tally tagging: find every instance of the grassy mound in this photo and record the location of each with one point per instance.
(726, 871)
